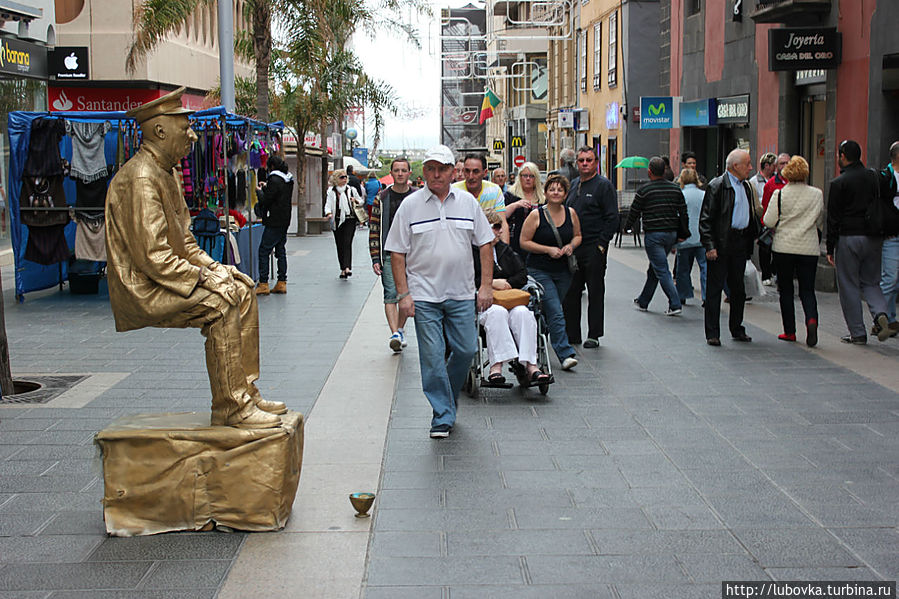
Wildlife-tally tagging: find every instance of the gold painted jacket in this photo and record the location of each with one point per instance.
(153, 259)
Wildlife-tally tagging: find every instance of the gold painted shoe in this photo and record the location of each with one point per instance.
(272, 407)
(280, 287)
(262, 289)
(256, 419)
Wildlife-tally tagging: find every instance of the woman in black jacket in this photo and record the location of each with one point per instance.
(511, 333)
(274, 207)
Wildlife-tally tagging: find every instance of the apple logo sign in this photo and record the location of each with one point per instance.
(62, 102)
(71, 62)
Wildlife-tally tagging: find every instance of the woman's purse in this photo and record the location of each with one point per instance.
(510, 298)
(766, 237)
(572, 261)
(358, 209)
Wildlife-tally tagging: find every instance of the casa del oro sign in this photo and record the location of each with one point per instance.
(797, 49)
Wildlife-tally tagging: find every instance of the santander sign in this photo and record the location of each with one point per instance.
(102, 99)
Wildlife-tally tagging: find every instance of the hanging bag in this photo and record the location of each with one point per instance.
(766, 237)
(572, 261)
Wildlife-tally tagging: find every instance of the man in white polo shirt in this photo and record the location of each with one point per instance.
(430, 242)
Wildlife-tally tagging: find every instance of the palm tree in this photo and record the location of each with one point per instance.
(155, 19)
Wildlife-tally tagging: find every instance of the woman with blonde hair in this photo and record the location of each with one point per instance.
(796, 213)
(691, 248)
(523, 196)
(340, 207)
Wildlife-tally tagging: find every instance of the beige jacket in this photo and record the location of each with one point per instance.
(797, 224)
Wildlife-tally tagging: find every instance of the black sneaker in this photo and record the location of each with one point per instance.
(854, 340)
(591, 343)
(441, 431)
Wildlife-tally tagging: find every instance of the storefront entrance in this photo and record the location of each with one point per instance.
(812, 136)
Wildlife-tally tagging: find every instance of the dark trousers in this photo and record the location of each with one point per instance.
(729, 269)
(591, 272)
(766, 262)
(273, 238)
(804, 267)
(343, 237)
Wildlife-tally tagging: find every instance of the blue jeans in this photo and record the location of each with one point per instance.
(658, 245)
(441, 377)
(387, 281)
(683, 268)
(889, 275)
(273, 238)
(555, 286)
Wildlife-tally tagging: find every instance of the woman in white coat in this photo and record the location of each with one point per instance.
(340, 208)
(796, 213)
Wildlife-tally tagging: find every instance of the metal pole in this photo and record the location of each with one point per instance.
(226, 53)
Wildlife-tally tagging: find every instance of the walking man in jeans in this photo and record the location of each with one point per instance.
(664, 210)
(594, 200)
(430, 242)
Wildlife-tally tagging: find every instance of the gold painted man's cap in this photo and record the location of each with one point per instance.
(167, 104)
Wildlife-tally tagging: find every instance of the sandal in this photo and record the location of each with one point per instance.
(539, 378)
(496, 377)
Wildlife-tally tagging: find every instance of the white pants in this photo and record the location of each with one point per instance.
(510, 334)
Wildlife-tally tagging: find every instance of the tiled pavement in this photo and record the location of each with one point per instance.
(658, 469)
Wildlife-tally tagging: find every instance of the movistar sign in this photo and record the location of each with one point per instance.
(656, 112)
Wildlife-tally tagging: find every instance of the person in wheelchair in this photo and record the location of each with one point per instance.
(510, 334)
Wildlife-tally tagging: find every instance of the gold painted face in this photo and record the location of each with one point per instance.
(172, 135)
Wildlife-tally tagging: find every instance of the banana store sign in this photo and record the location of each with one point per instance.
(22, 58)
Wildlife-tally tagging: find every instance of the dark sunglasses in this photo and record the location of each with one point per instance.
(498, 226)
(342, 177)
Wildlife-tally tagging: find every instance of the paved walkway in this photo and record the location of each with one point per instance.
(659, 468)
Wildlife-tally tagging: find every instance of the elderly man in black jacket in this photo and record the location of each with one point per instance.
(853, 247)
(729, 223)
(274, 198)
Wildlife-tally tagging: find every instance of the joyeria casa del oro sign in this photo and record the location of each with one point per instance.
(792, 49)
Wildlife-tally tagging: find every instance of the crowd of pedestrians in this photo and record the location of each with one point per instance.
(558, 232)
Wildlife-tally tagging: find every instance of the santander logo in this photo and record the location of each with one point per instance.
(62, 102)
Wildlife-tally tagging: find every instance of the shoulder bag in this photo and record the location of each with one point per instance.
(572, 261)
(766, 237)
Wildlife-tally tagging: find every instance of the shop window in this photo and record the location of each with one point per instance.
(597, 55)
(582, 63)
(613, 49)
(694, 7)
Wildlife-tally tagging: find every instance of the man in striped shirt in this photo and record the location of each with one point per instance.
(661, 205)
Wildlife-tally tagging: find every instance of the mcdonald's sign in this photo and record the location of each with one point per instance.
(517, 141)
(498, 145)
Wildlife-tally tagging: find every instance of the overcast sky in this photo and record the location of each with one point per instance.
(415, 75)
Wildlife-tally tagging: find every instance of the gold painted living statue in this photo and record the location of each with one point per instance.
(159, 277)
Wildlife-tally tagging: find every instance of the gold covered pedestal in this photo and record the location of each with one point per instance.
(173, 471)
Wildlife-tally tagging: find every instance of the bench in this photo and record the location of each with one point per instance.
(317, 225)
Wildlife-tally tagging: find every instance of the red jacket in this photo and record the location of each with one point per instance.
(773, 184)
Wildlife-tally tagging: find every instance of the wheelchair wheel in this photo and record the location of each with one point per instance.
(472, 384)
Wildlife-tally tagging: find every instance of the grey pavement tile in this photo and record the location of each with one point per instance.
(556, 591)
(444, 570)
(502, 462)
(412, 463)
(852, 516)
(683, 517)
(475, 481)
(515, 498)
(668, 591)
(24, 594)
(76, 523)
(646, 542)
(170, 546)
(518, 542)
(410, 498)
(82, 424)
(76, 576)
(409, 592)
(752, 512)
(823, 574)
(86, 466)
(795, 548)
(588, 447)
(39, 502)
(596, 432)
(579, 569)
(540, 479)
(869, 541)
(186, 574)
(85, 412)
(652, 477)
(25, 467)
(624, 518)
(664, 496)
(47, 484)
(635, 447)
(710, 567)
(18, 525)
(405, 544)
(442, 519)
(8, 423)
(135, 594)
(885, 564)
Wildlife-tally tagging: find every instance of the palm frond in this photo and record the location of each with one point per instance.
(155, 19)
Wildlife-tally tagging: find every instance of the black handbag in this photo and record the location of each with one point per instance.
(766, 236)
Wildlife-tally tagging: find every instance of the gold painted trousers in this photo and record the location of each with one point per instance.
(232, 349)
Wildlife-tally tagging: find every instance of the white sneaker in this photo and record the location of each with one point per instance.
(396, 343)
(403, 337)
(675, 312)
(768, 282)
(569, 363)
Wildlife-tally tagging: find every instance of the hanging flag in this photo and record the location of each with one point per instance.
(491, 101)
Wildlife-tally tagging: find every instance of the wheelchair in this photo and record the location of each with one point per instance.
(480, 366)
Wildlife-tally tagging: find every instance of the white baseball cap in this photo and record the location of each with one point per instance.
(441, 154)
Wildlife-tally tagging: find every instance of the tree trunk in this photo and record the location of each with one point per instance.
(262, 45)
(5, 372)
(301, 183)
(324, 189)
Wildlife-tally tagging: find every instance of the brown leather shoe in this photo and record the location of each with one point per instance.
(262, 289)
(255, 419)
(280, 287)
(272, 407)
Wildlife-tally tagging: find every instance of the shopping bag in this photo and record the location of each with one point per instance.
(752, 281)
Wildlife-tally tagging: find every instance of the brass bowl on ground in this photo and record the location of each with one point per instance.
(362, 503)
